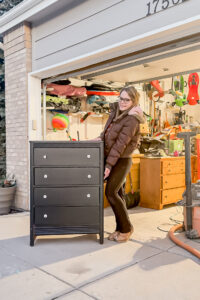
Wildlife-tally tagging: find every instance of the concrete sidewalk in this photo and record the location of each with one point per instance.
(77, 267)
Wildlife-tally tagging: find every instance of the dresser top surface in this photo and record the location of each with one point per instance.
(70, 144)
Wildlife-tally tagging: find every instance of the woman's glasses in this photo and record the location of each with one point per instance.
(125, 100)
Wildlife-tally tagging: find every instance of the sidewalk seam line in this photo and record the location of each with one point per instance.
(115, 271)
(69, 292)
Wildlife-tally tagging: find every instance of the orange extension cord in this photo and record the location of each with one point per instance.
(181, 244)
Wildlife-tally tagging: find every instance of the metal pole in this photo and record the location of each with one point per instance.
(186, 136)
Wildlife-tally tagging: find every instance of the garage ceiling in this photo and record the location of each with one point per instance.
(165, 67)
(169, 59)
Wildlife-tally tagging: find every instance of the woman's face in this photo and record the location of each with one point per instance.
(125, 101)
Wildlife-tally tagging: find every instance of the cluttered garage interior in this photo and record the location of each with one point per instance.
(76, 108)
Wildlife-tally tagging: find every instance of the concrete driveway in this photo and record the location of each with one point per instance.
(149, 266)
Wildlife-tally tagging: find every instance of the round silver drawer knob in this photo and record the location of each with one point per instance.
(88, 156)
(44, 156)
(45, 176)
(88, 195)
(44, 196)
(89, 176)
(45, 216)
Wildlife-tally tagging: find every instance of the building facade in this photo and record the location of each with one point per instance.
(46, 39)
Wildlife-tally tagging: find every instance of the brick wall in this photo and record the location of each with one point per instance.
(17, 46)
(2, 119)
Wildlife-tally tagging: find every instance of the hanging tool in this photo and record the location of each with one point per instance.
(86, 116)
(78, 135)
(68, 135)
(159, 119)
(166, 123)
(156, 85)
(177, 90)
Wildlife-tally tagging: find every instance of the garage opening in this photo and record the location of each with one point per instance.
(169, 69)
(76, 107)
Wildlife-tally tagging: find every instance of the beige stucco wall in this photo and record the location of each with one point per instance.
(18, 56)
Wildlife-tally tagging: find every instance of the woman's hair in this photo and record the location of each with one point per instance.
(132, 92)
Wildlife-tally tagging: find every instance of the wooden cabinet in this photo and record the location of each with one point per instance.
(162, 180)
(66, 188)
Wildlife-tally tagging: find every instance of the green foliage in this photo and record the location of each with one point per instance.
(6, 5)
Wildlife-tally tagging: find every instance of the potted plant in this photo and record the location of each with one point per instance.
(7, 194)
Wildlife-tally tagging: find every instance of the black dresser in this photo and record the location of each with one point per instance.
(66, 188)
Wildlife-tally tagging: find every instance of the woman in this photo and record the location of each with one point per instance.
(120, 136)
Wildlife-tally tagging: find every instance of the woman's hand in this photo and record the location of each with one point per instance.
(106, 173)
(96, 139)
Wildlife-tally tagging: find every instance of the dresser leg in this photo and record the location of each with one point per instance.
(101, 238)
(32, 239)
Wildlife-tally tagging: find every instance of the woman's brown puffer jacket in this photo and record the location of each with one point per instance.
(121, 133)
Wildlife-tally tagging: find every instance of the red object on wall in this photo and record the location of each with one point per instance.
(156, 85)
(65, 90)
(193, 82)
(103, 93)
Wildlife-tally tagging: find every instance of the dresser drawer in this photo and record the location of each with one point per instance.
(66, 176)
(173, 162)
(66, 216)
(172, 181)
(66, 157)
(174, 170)
(173, 167)
(68, 196)
(172, 195)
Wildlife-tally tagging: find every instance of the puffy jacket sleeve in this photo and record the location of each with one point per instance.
(128, 130)
(101, 136)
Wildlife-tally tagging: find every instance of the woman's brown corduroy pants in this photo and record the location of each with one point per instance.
(114, 193)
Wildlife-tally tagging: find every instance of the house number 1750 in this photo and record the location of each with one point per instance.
(158, 5)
